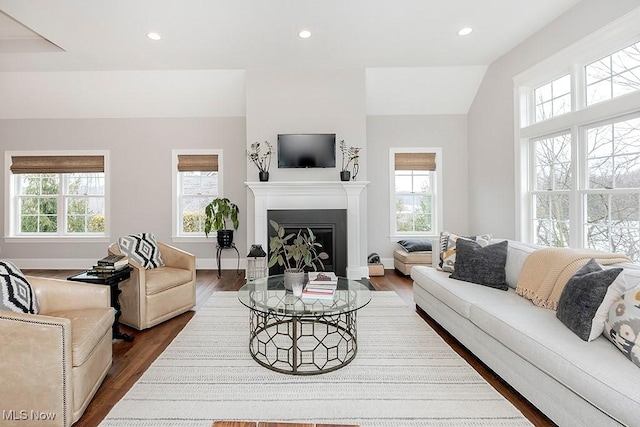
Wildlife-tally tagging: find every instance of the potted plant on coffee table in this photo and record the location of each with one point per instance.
(218, 213)
(295, 251)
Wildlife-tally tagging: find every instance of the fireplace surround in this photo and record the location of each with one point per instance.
(314, 195)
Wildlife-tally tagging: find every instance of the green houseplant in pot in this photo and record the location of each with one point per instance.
(295, 251)
(218, 213)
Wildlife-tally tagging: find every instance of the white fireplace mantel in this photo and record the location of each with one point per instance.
(316, 195)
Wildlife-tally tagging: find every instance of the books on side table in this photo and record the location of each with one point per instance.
(109, 265)
(322, 285)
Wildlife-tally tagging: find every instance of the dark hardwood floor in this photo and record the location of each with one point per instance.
(131, 359)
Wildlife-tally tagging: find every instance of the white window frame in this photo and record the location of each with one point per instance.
(437, 194)
(11, 216)
(618, 35)
(176, 216)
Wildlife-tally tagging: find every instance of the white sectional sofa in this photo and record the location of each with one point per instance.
(573, 382)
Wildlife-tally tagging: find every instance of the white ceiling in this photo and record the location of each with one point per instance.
(245, 34)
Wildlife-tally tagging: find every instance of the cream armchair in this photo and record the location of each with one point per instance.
(154, 295)
(54, 362)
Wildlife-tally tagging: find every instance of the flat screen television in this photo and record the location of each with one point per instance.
(309, 150)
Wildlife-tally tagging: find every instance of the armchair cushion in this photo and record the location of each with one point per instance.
(141, 248)
(87, 329)
(16, 293)
(161, 279)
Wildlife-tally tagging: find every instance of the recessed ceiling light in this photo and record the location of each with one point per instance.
(154, 36)
(465, 31)
(304, 34)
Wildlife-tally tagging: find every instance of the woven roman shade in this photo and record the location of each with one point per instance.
(197, 162)
(57, 164)
(415, 161)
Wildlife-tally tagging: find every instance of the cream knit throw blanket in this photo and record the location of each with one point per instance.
(546, 271)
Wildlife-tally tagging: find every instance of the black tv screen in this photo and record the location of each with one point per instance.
(310, 150)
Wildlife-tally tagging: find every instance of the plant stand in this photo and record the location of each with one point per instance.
(219, 253)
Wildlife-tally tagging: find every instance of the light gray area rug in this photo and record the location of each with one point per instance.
(403, 375)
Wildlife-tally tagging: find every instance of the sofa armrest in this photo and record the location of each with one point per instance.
(59, 295)
(36, 368)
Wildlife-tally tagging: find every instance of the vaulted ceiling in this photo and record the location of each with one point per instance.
(72, 35)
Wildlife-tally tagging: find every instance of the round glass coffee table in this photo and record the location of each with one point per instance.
(301, 335)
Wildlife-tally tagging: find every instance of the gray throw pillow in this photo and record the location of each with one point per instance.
(481, 265)
(415, 245)
(582, 295)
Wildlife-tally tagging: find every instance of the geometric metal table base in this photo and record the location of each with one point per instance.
(303, 345)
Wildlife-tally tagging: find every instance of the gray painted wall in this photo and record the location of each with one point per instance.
(140, 161)
(446, 131)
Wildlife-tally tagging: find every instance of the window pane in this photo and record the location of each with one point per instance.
(551, 220)
(553, 167)
(614, 75)
(600, 173)
(553, 98)
(625, 210)
(404, 183)
(421, 183)
(197, 190)
(598, 208)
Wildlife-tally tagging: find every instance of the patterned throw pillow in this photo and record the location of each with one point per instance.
(623, 325)
(141, 248)
(16, 292)
(448, 248)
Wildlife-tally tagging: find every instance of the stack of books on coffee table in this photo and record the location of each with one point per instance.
(322, 285)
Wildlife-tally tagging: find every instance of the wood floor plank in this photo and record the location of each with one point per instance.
(131, 359)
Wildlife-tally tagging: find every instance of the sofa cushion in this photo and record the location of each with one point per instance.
(535, 334)
(88, 326)
(628, 279)
(623, 325)
(460, 296)
(16, 293)
(481, 265)
(581, 297)
(161, 279)
(448, 248)
(141, 248)
(415, 245)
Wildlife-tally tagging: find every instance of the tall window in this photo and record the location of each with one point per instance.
(197, 184)
(57, 195)
(415, 209)
(580, 171)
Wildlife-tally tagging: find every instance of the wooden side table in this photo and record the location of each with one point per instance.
(111, 280)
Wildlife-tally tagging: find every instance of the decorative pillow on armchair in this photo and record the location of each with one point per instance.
(16, 293)
(448, 248)
(623, 325)
(141, 248)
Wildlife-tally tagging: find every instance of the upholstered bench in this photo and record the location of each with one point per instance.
(403, 261)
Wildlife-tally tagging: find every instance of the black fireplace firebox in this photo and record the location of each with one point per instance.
(329, 227)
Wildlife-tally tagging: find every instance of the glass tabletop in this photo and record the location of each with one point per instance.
(268, 295)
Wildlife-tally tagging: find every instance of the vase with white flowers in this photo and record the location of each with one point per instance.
(262, 160)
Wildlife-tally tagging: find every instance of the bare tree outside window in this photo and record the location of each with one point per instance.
(613, 75)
